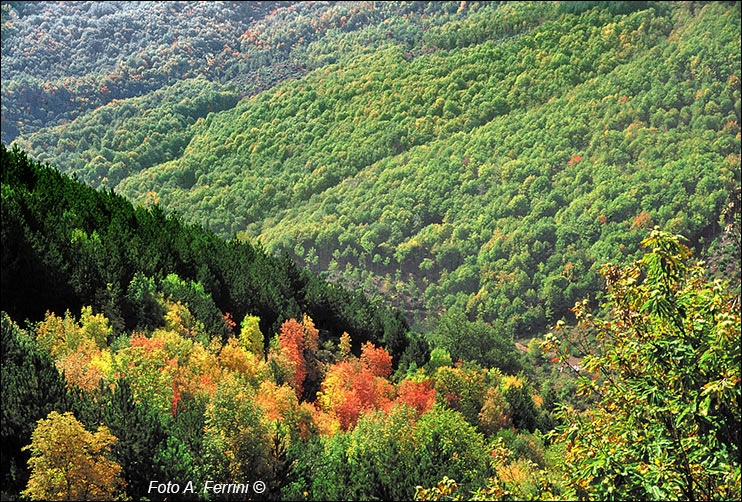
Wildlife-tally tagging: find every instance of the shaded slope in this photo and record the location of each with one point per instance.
(68, 245)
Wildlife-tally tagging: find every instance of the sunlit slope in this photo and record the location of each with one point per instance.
(491, 176)
(62, 60)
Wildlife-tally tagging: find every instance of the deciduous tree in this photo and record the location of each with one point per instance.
(70, 463)
(667, 423)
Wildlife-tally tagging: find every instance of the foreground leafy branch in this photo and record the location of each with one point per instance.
(667, 423)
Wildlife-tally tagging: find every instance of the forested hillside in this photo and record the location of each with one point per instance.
(130, 271)
(484, 159)
(67, 245)
(61, 60)
(371, 250)
(153, 392)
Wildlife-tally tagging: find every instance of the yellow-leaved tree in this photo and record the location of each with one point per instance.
(70, 463)
(251, 338)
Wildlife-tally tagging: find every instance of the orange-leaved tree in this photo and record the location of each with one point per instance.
(298, 344)
(376, 360)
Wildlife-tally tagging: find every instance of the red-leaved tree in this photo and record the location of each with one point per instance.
(417, 395)
(377, 361)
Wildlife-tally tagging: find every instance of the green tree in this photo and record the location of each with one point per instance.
(237, 439)
(31, 388)
(474, 341)
(447, 445)
(667, 377)
(145, 306)
(141, 437)
(373, 461)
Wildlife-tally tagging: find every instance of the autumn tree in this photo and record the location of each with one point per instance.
(248, 365)
(352, 387)
(78, 369)
(69, 463)
(60, 336)
(298, 345)
(376, 360)
(495, 413)
(344, 346)
(419, 396)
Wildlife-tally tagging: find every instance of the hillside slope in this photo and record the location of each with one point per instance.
(487, 166)
(491, 176)
(61, 59)
(67, 245)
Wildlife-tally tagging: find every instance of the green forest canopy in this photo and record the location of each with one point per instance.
(488, 165)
